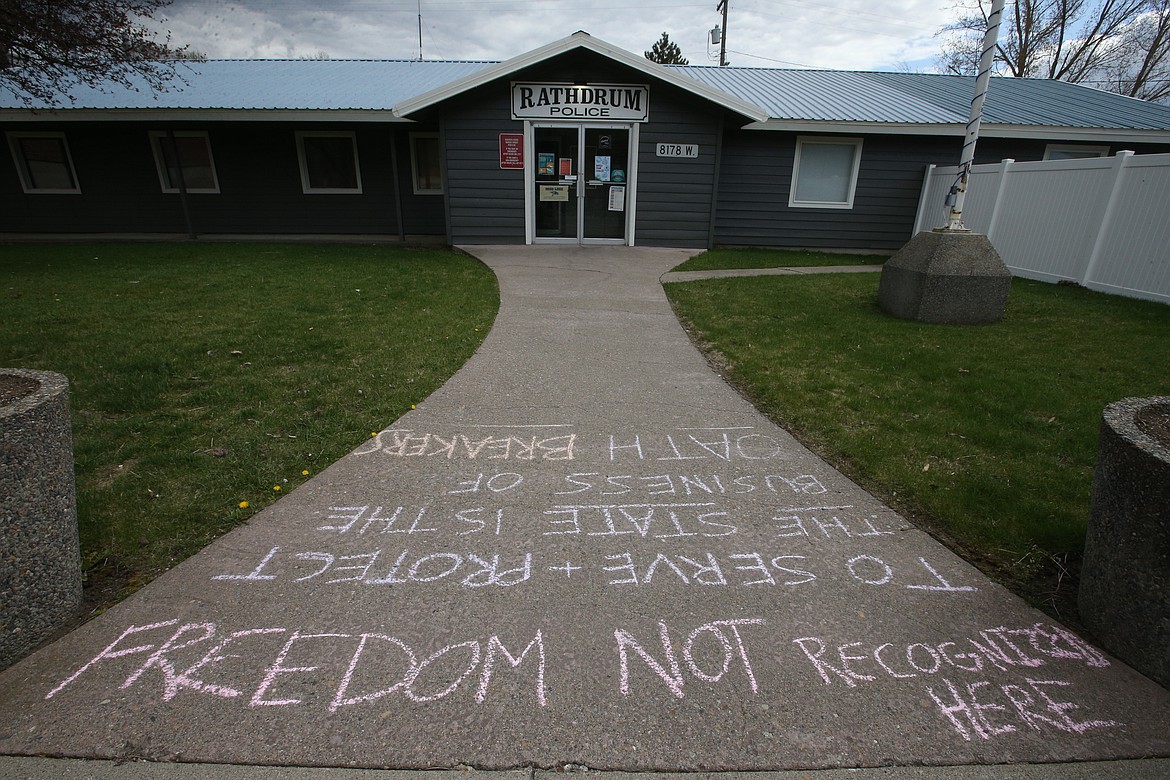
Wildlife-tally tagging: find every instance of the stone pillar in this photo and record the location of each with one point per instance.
(1125, 578)
(40, 558)
(946, 277)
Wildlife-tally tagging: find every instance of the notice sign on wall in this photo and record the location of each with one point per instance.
(512, 151)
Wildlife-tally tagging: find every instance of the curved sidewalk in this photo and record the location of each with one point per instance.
(584, 549)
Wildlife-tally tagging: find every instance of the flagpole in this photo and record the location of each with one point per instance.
(958, 193)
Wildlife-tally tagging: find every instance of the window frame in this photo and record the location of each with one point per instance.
(1096, 150)
(306, 183)
(418, 190)
(158, 137)
(21, 162)
(801, 141)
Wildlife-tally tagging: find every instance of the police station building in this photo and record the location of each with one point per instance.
(577, 141)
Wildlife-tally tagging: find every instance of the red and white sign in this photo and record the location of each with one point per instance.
(512, 151)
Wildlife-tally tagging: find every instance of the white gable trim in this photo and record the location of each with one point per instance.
(580, 40)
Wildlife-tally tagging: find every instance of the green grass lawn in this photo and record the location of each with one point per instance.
(206, 379)
(985, 435)
(724, 258)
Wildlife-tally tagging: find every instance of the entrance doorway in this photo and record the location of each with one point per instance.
(582, 183)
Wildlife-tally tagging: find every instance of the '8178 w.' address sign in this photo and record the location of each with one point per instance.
(678, 150)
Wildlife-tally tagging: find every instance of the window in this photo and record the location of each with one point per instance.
(424, 164)
(824, 173)
(43, 162)
(1073, 151)
(194, 161)
(329, 163)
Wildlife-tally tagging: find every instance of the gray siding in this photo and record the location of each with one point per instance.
(259, 179)
(485, 203)
(675, 194)
(756, 175)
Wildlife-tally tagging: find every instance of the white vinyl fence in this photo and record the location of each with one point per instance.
(1103, 222)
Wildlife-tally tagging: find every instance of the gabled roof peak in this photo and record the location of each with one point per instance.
(582, 40)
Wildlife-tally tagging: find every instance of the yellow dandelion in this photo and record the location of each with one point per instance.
(276, 488)
(305, 473)
(243, 505)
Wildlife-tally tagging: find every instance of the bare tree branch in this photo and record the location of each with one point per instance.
(1122, 44)
(50, 47)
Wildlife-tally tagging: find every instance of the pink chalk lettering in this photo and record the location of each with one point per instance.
(277, 669)
(1057, 712)
(496, 649)
(413, 675)
(215, 656)
(159, 657)
(109, 652)
(673, 678)
(340, 699)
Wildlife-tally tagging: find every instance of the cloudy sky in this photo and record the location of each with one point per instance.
(846, 34)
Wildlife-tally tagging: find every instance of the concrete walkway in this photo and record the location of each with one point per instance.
(584, 550)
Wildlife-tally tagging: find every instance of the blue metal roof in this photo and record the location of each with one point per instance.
(361, 85)
(820, 95)
(784, 95)
(924, 98)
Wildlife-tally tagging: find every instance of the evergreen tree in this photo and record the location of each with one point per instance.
(666, 52)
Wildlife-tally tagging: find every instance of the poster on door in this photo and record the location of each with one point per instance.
(601, 167)
(617, 198)
(546, 164)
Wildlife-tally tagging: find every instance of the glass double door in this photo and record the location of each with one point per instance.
(581, 182)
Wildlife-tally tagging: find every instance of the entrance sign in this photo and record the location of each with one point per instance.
(512, 151)
(625, 102)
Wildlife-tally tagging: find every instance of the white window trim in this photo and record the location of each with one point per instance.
(836, 141)
(158, 137)
(22, 164)
(1092, 151)
(308, 190)
(414, 166)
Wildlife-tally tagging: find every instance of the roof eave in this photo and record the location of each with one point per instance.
(580, 40)
(991, 130)
(65, 114)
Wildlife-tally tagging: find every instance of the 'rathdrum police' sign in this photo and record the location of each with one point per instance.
(625, 102)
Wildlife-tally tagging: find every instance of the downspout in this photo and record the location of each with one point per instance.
(397, 184)
(182, 182)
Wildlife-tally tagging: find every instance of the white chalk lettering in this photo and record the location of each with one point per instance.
(408, 444)
(496, 483)
(624, 519)
(726, 444)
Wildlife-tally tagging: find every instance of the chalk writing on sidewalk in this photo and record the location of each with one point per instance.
(552, 443)
(476, 570)
(993, 683)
